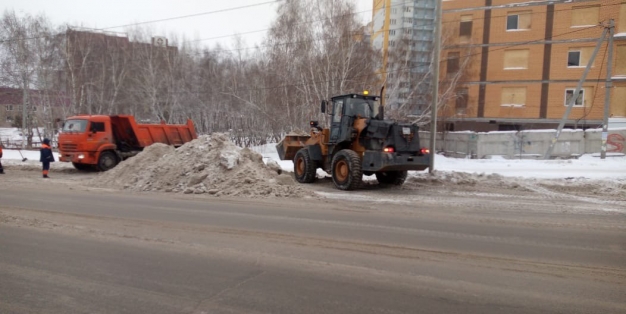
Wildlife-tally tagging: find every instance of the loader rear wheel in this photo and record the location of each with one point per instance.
(347, 171)
(107, 161)
(391, 177)
(304, 168)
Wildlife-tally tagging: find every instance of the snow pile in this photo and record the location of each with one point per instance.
(461, 178)
(572, 188)
(209, 164)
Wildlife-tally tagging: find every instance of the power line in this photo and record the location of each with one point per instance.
(157, 21)
(381, 30)
(266, 29)
(354, 78)
(301, 23)
(409, 68)
(194, 15)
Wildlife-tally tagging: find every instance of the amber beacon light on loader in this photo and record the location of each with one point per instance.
(358, 142)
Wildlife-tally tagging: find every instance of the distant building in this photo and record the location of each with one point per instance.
(106, 69)
(43, 106)
(403, 31)
(524, 60)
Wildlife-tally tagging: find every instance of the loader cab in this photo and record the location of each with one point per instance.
(346, 108)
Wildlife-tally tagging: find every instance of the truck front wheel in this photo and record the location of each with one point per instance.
(107, 161)
(304, 168)
(391, 177)
(347, 171)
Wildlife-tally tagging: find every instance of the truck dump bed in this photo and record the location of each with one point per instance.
(127, 130)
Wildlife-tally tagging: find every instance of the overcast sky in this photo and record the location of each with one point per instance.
(101, 14)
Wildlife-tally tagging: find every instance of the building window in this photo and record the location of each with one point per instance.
(513, 97)
(407, 9)
(453, 63)
(516, 59)
(580, 100)
(392, 43)
(512, 22)
(9, 108)
(620, 65)
(573, 58)
(465, 29)
(392, 21)
(394, 10)
(618, 106)
(461, 99)
(585, 16)
(408, 31)
(338, 110)
(392, 32)
(9, 119)
(518, 21)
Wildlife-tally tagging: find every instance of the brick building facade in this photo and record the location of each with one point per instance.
(44, 107)
(526, 58)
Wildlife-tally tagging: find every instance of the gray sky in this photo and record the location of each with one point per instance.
(100, 14)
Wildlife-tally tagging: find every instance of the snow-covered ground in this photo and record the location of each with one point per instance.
(14, 154)
(587, 166)
(13, 137)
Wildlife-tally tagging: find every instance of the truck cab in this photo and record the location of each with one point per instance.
(82, 139)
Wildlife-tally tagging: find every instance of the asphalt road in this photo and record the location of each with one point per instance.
(97, 251)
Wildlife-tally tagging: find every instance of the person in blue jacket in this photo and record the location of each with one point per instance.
(46, 157)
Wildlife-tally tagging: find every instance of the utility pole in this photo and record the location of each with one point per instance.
(435, 92)
(607, 92)
(572, 101)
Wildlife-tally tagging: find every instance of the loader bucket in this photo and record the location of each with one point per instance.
(289, 146)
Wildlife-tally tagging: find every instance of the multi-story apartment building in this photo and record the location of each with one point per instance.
(403, 31)
(518, 62)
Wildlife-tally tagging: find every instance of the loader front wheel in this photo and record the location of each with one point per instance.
(303, 167)
(347, 171)
(391, 177)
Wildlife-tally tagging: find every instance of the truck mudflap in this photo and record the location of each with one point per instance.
(381, 161)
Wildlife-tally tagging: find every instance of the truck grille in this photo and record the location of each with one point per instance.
(69, 147)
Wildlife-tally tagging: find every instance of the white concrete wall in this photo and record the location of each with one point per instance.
(526, 144)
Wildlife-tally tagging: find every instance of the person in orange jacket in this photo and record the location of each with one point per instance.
(46, 157)
(1, 169)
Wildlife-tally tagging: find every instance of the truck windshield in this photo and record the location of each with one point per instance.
(78, 126)
(366, 108)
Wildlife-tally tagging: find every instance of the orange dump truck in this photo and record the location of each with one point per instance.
(101, 142)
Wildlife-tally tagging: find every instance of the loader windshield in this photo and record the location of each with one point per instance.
(366, 108)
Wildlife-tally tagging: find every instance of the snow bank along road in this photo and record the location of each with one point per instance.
(67, 248)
